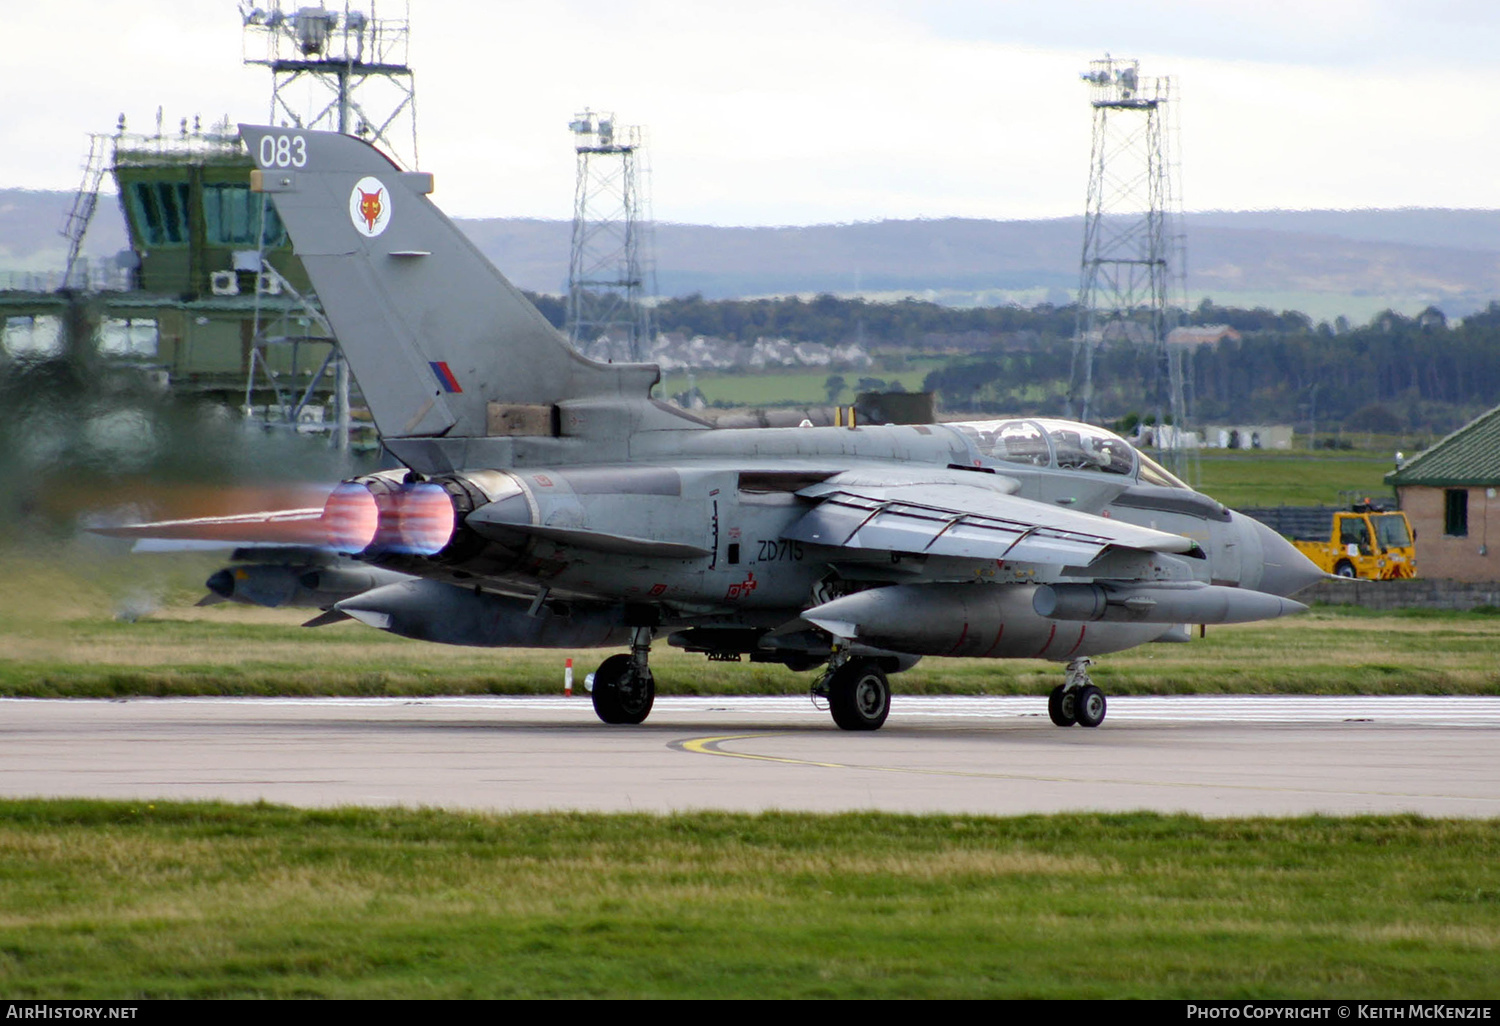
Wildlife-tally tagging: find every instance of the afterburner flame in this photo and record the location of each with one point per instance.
(422, 518)
(351, 517)
(416, 519)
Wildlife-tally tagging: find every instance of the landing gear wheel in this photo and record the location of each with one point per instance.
(622, 693)
(1062, 706)
(859, 696)
(1344, 569)
(1089, 706)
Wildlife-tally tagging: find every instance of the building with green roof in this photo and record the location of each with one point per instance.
(1449, 493)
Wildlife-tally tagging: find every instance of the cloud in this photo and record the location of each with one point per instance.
(828, 110)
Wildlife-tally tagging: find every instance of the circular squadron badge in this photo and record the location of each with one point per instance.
(370, 206)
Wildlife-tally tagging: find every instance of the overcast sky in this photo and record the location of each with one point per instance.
(818, 111)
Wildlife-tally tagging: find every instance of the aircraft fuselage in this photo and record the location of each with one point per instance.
(693, 531)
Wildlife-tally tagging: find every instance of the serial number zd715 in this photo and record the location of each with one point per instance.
(772, 550)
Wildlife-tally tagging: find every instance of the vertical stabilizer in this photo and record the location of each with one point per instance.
(436, 336)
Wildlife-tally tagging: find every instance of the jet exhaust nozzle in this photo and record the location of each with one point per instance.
(386, 513)
(352, 517)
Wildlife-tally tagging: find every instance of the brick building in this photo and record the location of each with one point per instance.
(1451, 495)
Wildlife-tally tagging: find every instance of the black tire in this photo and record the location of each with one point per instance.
(621, 695)
(1345, 569)
(859, 696)
(1062, 706)
(1090, 706)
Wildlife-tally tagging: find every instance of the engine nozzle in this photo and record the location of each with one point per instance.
(384, 513)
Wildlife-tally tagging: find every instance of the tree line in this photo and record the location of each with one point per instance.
(1396, 373)
(907, 323)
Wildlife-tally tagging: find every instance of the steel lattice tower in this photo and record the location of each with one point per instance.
(353, 66)
(348, 68)
(609, 269)
(1131, 276)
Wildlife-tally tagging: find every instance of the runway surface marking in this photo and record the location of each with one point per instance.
(999, 755)
(1427, 710)
(714, 746)
(710, 746)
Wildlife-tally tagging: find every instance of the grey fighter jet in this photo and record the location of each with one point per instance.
(549, 500)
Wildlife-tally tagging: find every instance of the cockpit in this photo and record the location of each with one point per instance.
(1063, 445)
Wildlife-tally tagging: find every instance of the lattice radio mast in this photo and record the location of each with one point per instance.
(331, 70)
(610, 274)
(338, 71)
(1131, 277)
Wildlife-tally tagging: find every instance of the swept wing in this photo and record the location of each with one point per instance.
(975, 521)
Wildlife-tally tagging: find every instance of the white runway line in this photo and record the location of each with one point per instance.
(1427, 710)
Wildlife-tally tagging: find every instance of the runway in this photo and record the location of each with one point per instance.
(1216, 756)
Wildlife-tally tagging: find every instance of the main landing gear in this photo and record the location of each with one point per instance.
(858, 693)
(1077, 700)
(623, 686)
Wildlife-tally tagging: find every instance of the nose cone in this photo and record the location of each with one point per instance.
(1284, 570)
(221, 584)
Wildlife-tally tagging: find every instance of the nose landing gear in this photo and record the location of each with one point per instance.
(858, 693)
(1077, 700)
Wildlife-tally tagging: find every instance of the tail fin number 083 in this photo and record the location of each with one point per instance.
(283, 151)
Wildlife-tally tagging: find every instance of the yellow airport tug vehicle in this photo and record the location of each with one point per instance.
(1362, 541)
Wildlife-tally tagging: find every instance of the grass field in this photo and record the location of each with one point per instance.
(60, 636)
(793, 387)
(1291, 478)
(180, 900)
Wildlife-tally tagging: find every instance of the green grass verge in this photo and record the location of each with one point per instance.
(206, 900)
(795, 387)
(1291, 478)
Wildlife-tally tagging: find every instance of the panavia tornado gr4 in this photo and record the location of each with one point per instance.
(549, 500)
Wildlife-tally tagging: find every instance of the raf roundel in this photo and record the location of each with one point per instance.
(370, 206)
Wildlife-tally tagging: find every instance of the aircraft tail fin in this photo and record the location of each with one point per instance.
(440, 342)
